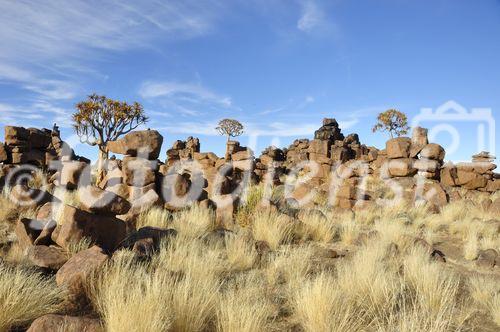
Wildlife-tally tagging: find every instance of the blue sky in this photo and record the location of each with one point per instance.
(277, 66)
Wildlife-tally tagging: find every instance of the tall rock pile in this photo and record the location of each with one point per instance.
(271, 162)
(26, 146)
(139, 167)
(476, 175)
(183, 150)
(297, 152)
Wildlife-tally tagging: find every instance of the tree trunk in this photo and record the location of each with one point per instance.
(101, 171)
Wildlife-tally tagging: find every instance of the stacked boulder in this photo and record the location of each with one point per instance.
(347, 181)
(399, 163)
(476, 175)
(139, 167)
(26, 146)
(270, 163)
(297, 152)
(183, 150)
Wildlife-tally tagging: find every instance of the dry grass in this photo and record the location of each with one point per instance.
(130, 299)
(194, 222)
(384, 283)
(317, 226)
(241, 254)
(272, 227)
(319, 306)
(26, 295)
(154, 217)
(243, 305)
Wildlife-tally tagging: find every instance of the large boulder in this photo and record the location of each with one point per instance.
(318, 146)
(449, 175)
(142, 143)
(419, 136)
(74, 273)
(102, 202)
(433, 151)
(74, 174)
(51, 258)
(470, 179)
(28, 230)
(401, 167)
(15, 136)
(52, 322)
(432, 193)
(426, 165)
(138, 171)
(398, 147)
(75, 224)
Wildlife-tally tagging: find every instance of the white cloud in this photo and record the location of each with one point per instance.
(51, 28)
(188, 92)
(292, 106)
(39, 111)
(311, 16)
(47, 44)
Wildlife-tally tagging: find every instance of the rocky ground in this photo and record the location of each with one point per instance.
(374, 240)
(403, 268)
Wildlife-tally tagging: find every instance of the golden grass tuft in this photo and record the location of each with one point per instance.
(26, 295)
(154, 217)
(194, 221)
(272, 227)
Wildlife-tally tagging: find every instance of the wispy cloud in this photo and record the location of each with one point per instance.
(33, 114)
(311, 16)
(291, 106)
(182, 91)
(188, 99)
(46, 44)
(51, 28)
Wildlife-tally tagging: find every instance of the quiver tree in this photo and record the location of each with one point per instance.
(229, 128)
(393, 121)
(99, 120)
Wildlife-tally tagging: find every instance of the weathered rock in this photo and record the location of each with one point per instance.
(28, 230)
(242, 155)
(433, 151)
(76, 224)
(16, 135)
(449, 175)
(78, 268)
(53, 322)
(398, 147)
(470, 180)
(483, 156)
(143, 143)
(74, 174)
(402, 167)
(138, 171)
(433, 193)
(51, 258)
(102, 202)
(45, 236)
(156, 234)
(226, 208)
(419, 136)
(426, 165)
(347, 192)
(318, 146)
(29, 197)
(3, 153)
